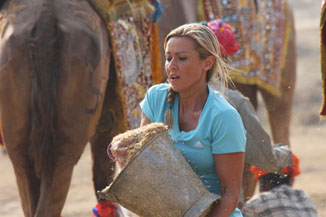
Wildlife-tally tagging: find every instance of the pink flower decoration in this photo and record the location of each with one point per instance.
(225, 36)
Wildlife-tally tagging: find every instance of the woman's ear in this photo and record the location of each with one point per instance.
(209, 62)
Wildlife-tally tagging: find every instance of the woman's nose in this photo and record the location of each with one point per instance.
(171, 65)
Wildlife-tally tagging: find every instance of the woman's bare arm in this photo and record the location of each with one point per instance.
(229, 168)
(144, 120)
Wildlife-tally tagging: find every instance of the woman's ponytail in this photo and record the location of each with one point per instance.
(168, 119)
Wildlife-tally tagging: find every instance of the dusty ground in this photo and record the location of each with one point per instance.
(307, 131)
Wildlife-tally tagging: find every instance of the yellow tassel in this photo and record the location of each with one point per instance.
(155, 55)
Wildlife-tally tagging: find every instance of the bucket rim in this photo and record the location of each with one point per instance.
(202, 205)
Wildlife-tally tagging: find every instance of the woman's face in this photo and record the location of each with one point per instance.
(184, 68)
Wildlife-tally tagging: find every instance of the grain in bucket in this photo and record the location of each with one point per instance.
(157, 180)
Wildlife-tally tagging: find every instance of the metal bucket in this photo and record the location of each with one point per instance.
(158, 181)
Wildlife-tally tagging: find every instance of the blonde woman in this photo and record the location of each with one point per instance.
(204, 126)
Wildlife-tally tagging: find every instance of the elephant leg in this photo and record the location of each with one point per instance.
(103, 167)
(280, 108)
(248, 180)
(112, 122)
(54, 189)
(248, 184)
(249, 91)
(27, 181)
(279, 114)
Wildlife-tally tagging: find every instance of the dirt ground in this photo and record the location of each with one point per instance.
(307, 131)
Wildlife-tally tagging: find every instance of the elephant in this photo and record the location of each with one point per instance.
(59, 90)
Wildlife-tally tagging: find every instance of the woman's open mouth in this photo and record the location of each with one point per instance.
(174, 77)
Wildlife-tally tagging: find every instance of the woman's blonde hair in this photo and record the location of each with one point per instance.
(206, 44)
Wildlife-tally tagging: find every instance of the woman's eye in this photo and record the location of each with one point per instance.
(168, 59)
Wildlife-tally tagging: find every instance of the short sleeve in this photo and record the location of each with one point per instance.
(153, 105)
(228, 133)
(147, 104)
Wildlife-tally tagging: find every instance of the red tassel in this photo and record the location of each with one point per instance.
(106, 209)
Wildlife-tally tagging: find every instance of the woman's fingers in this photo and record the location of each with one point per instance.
(119, 151)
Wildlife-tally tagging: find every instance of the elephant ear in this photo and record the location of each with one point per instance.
(225, 36)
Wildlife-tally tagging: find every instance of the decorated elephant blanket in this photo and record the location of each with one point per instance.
(262, 31)
(133, 38)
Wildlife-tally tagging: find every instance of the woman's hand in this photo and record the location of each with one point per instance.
(119, 151)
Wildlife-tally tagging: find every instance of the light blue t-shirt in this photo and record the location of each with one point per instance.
(219, 131)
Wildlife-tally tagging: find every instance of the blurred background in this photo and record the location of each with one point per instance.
(308, 132)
